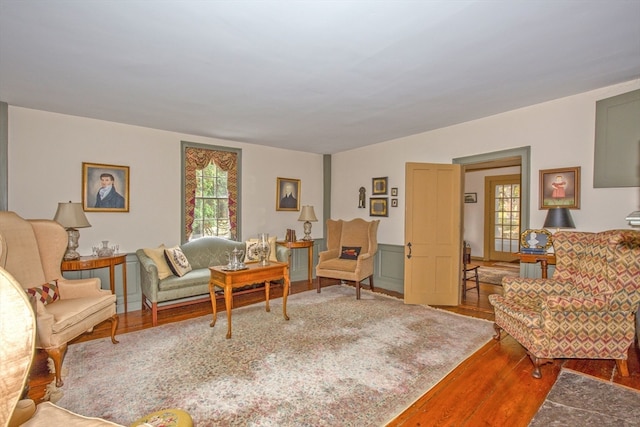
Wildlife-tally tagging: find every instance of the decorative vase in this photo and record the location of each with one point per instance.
(105, 250)
(263, 248)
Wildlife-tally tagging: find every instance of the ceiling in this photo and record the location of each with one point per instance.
(314, 76)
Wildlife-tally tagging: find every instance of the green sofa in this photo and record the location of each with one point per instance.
(192, 287)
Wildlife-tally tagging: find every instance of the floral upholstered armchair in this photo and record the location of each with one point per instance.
(351, 246)
(586, 310)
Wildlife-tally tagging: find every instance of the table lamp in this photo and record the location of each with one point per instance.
(71, 216)
(307, 215)
(559, 218)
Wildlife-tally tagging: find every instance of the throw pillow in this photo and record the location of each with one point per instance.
(350, 252)
(177, 262)
(250, 250)
(46, 293)
(157, 255)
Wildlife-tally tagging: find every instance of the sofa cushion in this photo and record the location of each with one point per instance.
(350, 252)
(46, 293)
(251, 255)
(178, 263)
(157, 255)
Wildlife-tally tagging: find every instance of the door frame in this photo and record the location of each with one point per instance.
(525, 174)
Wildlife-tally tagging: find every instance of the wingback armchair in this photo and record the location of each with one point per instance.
(351, 246)
(32, 252)
(586, 310)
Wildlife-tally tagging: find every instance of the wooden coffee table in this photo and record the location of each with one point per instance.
(254, 273)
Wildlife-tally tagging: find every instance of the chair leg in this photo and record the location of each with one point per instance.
(478, 284)
(537, 362)
(154, 314)
(318, 284)
(357, 289)
(371, 283)
(114, 325)
(57, 355)
(622, 366)
(498, 330)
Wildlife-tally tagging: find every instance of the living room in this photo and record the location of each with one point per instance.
(44, 150)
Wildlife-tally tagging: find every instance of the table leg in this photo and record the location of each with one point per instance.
(112, 282)
(544, 267)
(310, 255)
(124, 283)
(214, 308)
(228, 302)
(285, 293)
(267, 285)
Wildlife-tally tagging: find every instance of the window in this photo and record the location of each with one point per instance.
(210, 191)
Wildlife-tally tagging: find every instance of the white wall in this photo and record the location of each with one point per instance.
(560, 133)
(46, 151)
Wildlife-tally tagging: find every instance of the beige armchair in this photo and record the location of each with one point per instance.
(351, 246)
(32, 252)
(586, 310)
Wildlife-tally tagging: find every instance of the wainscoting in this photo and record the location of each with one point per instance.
(388, 273)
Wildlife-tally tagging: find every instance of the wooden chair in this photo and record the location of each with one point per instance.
(469, 271)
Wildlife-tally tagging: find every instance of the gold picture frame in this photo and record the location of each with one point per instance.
(288, 194)
(98, 176)
(378, 206)
(379, 185)
(560, 188)
(536, 239)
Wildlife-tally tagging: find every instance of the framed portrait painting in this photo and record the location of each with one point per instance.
(287, 194)
(105, 188)
(560, 188)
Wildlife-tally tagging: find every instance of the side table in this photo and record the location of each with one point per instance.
(92, 262)
(543, 259)
(300, 244)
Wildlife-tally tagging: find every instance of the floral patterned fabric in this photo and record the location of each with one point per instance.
(587, 309)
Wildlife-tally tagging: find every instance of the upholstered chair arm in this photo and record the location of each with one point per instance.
(282, 253)
(574, 303)
(70, 289)
(148, 275)
(534, 288)
(330, 254)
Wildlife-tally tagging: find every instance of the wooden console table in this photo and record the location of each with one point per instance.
(544, 259)
(92, 262)
(254, 273)
(300, 244)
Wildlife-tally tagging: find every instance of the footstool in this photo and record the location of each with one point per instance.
(165, 418)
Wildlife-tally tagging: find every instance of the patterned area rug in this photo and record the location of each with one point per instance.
(495, 275)
(580, 400)
(337, 362)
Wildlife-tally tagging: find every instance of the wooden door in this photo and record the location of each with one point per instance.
(502, 217)
(433, 224)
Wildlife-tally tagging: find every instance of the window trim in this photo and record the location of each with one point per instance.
(238, 151)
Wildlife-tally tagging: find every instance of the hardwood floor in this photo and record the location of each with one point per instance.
(494, 387)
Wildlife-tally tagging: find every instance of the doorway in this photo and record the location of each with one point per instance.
(502, 217)
(497, 160)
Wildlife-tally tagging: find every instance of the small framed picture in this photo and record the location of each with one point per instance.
(535, 239)
(287, 194)
(105, 188)
(394, 203)
(471, 197)
(378, 206)
(379, 185)
(394, 191)
(560, 188)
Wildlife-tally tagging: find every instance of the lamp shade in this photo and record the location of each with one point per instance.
(559, 218)
(71, 215)
(307, 214)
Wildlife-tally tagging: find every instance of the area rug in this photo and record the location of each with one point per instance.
(580, 400)
(337, 362)
(495, 275)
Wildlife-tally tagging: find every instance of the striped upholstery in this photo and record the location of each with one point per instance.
(587, 309)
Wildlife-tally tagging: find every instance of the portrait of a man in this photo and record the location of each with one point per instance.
(105, 187)
(288, 194)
